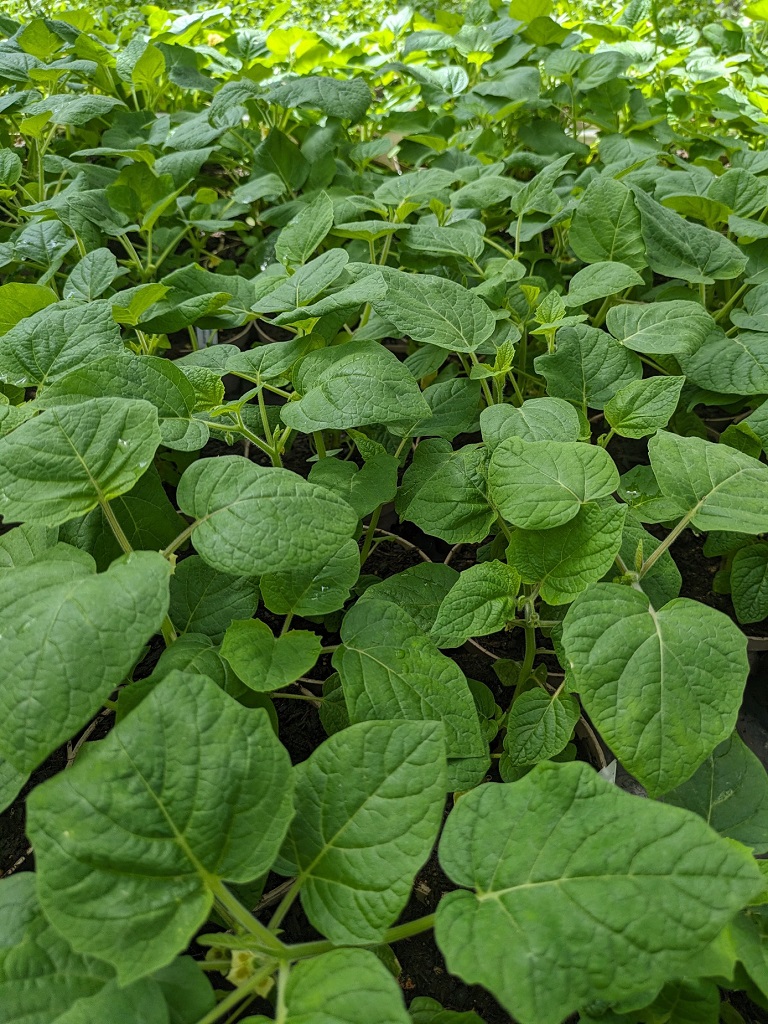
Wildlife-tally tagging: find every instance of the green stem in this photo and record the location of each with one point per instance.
(178, 541)
(483, 382)
(402, 931)
(667, 543)
(530, 649)
(245, 919)
(115, 526)
(724, 310)
(601, 313)
(264, 416)
(230, 1001)
(285, 905)
(372, 524)
(319, 444)
(286, 623)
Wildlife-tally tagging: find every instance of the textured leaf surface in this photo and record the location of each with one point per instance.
(313, 591)
(730, 792)
(720, 488)
(62, 463)
(204, 600)
(356, 860)
(537, 419)
(644, 406)
(128, 843)
(542, 484)
(542, 857)
(606, 225)
(588, 366)
(598, 280)
(749, 582)
(735, 366)
(539, 725)
(565, 560)
(662, 687)
(70, 636)
(481, 601)
(660, 327)
(255, 520)
(391, 670)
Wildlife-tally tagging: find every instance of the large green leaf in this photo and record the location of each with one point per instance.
(660, 327)
(304, 232)
(66, 461)
(645, 676)
(606, 225)
(730, 792)
(190, 788)
(204, 600)
(537, 419)
(444, 492)
(565, 560)
(70, 636)
(315, 590)
(542, 858)
(391, 670)
(718, 487)
(435, 311)
(253, 520)
(734, 366)
(354, 859)
(542, 484)
(676, 247)
(364, 384)
(644, 406)
(749, 582)
(599, 280)
(57, 339)
(588, 366)
(419, 591)
(480, 602)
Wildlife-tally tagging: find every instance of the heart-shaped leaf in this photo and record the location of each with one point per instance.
(265, 662)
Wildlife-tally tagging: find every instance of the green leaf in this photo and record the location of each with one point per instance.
(537, 419)
(302, 287)
(265, 662)
(57, 339)
(354, 859)
(462, 239)
(606, 225)
(66, 461)
(391, 670)
(730, 792)
(480, 602)
(453, 409)
(542, 484)
(254, 520)
(364, 487)
(316, 590)
(11, 783)
(717, 487)
(345, 986)
(424, 1010)
(644, 406)
(662, 582)
(348, 100)
(542, 858)
(566, 559)
(643, 676)
(435, 311)
(749, 582)
(588, 366)
(304, 232)
(364, 384)
(733, 366)
(151, 378)
(660, 327)
(130, 879)
(676, 247)
(92, 276)
(18, 301)
(599, 280)
(193, 653)
(70, 636)
(204, 600)
(443, 493)
(539, 725)
(419, 591)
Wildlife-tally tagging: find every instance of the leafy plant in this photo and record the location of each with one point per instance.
(267, 289)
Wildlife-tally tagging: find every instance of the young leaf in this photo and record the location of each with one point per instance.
(365, 487)
(131, 881)
(563, 561)
(70, 637)
(481, 601)
(265, 662)
(643, 676)
(537, 419)
(541, 851)
(644, 406)
(588, 367)
(718, 487)
(749, 582)
(606, 225)
(539, 725)
(419, 591)
(435, 311)
(92, 276)
(66, 461)
(354, 860)
(730, 792)
(661, 327)
(302, 235)
(391, 670)
(18, 301)
(542, 484)
(254, 520)
(313, 590)
(351, 986)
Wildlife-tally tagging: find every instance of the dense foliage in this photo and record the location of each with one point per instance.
(506, 274)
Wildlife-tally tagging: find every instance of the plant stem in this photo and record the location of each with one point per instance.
(373, 523)
(285, 905)
(530, 649)
(396, 934)
(239, 994)
(182, 537)
(668, 541)
(115, 526)
(483, 382)
(319, 444)
(244, 918)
